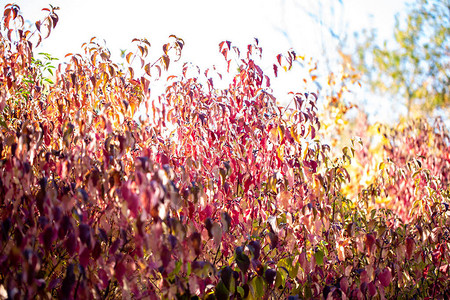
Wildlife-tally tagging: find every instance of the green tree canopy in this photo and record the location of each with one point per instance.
(415, 66)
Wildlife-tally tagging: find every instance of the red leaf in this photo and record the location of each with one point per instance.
(313, 132)
(267, 81)
(71, 244)
(385, 277)
(120, 271)
(370, 241)
(225, 42)
(410, 245)
(132, 200)
(84, 257)
(103, 277)
(54, 19)
(372, 289)
(364, 277)
(279, 59)
(48, 237)
(7, 15)
(85, 234)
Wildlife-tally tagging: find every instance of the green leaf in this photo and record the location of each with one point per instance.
(280, 280)
(2, 122)
(257, 287)
(241, 291)
(189, 269)
(242, 260)
(176, 270)
(225, 275)
(286, 263)
(319, 257)
(221, 291)
(308, 292)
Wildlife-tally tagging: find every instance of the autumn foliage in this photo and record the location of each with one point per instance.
(220, 193)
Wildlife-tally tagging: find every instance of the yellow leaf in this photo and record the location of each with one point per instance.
(280, 152)
(294, 134)
(281, 132)
(305, 146)
(272, 183)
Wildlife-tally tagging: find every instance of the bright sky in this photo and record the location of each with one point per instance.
(203, 24)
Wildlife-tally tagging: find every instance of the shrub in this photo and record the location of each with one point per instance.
(222, 194)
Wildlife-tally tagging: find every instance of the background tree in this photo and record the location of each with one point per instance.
(221, 194)
(415, 66)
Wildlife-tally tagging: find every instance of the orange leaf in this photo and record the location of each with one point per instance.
(39, 40)
(145, 41)
(159, 70)
(294, 134)
(94, 58)
(130, 69)
(165, 48)
(112, 71)
(166, 61)
(142, 50)
(147, 69)
(128, 57)
(284, 198)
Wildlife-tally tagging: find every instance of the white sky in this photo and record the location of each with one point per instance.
(204, 23)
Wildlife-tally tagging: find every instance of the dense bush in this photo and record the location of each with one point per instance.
(222, 193)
